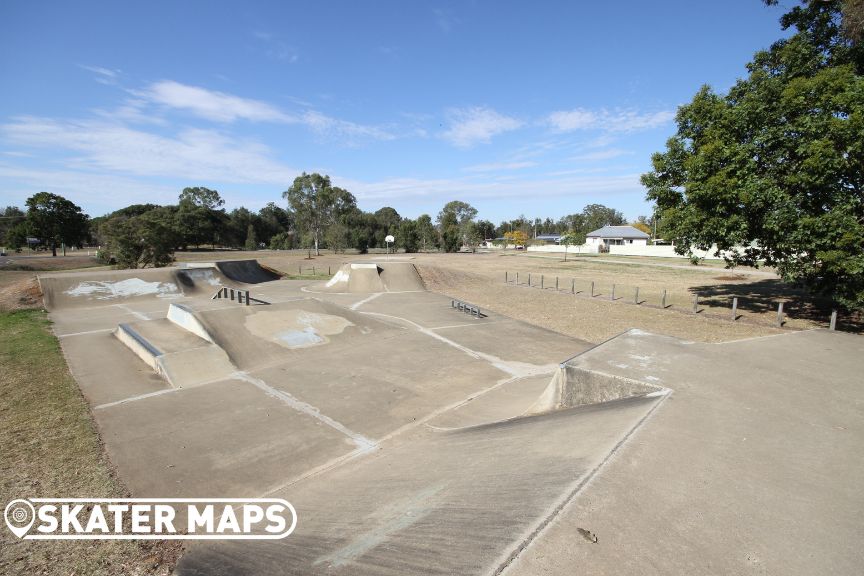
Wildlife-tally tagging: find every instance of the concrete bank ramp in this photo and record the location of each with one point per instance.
(105, 287)
(247, 271)
(369, 277)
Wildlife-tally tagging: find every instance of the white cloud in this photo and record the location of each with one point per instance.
(607, 154)
(469, 126)
(347, 132)
(443, 189)
(192, 154)
(212, 105)
(103, 75)
(614, 121)
(276, 48)
(495, 166)
(96, 193)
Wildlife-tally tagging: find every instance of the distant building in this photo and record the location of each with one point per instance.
(549, 238)
(617, 236)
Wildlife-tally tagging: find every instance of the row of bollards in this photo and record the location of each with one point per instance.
(779, 321)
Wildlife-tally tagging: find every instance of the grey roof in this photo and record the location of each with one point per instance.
(548, 237)
(617, 232)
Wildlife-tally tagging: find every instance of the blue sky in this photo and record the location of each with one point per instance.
(534, 108)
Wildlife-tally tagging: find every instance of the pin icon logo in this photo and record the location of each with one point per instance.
(19, 515)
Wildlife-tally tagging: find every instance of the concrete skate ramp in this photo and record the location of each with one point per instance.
(574, 386)
(105, 287)
(247, 271)
(375, 277)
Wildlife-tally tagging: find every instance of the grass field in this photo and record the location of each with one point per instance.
(51, 448)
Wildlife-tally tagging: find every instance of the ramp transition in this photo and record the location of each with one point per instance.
(359, 277)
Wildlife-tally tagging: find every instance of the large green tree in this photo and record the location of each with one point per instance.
(456, 224)
(200, 217)
(55, 220)
(317, 204)
(773, 171)
(136, 239)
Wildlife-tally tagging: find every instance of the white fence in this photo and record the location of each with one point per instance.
(625, 250)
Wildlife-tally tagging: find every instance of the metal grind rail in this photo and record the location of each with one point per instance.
(467, 308)
(242, 296)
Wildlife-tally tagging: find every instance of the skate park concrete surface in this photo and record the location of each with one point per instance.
(413, 438)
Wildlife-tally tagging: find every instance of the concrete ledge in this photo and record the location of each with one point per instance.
(138, 344)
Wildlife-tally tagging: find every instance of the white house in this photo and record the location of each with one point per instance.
(617, 236)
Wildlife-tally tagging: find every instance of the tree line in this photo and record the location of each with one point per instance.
(317, 215)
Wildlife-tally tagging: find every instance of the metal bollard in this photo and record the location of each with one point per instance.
(232, 294)
(735, 308)
(556, 283)
(780, 315)
(505, 277)
(529, 279)
(542, 282)
(517, 278)
(247, 298)
(663, 300)
(573, 286)
(592, 289)
(695, 303)
(833, 324)
(612, 297)
(636, 296)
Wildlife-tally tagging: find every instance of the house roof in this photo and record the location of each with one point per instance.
(548, 237)
(617, 232)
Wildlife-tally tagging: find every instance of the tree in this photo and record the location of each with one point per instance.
(337, 237)
(426, 232)
(251, 239)
(141, 240)
(202, 197)
(317, 204)
(282, 241)
(596, 216)
(517, 238)
(472, 236)
(642, 227)
(272, 220)
(773, 171)
(55, 220)
(485, 229)
(199, 217)
(9, 218)
(572, 238)
(407, 237)
(456, 221)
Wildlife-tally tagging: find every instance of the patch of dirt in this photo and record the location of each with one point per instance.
(20, 294)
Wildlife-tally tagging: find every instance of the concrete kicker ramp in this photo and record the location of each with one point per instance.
(375, 277)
